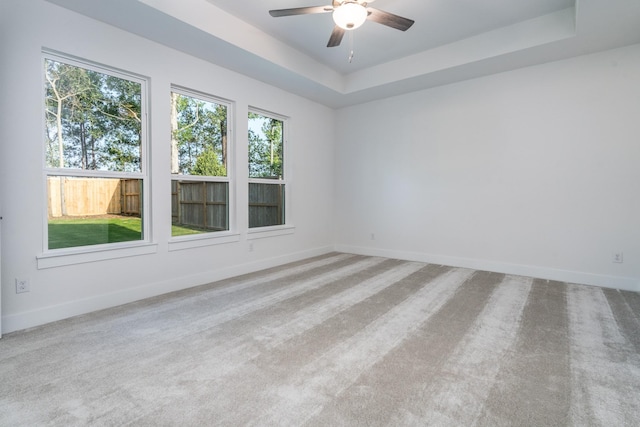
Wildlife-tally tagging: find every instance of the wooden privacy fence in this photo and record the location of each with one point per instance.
(205, 204)
(200, 204)
(75, 196)
(266, 204)
(130, 196)
(193, 203)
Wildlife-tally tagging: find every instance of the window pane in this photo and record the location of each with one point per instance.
(93, 120)
(92, 211)
(199, 147)
(199, 207)
(198, 136)
(265, 147)
(266, 204)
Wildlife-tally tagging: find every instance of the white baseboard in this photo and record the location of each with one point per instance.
(29, 319)
(615, 282)
(41, 316)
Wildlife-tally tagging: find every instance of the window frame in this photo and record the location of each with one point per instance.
(221, 236)
(79, 254)
(287, 226)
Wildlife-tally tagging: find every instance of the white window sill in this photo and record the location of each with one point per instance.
(71, 256)
(201, 240)
(264, 232)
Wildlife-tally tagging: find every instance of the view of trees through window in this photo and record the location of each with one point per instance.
(266, 183)
(93, 155)
(199, 159)
(93, 120)
(265, 146)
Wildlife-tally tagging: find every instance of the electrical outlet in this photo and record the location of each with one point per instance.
(617, 257)
(22, 285)
(373, 236)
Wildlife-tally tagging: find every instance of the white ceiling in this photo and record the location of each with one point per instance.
(437, 22)
(451, 40)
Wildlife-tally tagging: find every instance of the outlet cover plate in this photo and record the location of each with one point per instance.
(22, 285)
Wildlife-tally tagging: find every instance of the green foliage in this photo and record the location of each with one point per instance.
(200, 132)
(93, 120)
(265, 147)
(207, 164)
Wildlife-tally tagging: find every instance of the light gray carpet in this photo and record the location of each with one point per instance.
(337, 340)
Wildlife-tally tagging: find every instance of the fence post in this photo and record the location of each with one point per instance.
(179, 201)
(204, 204)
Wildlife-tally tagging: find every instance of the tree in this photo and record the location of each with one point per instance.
(121, 112)
(65, 84)
(198, 134)
(175, 158)
(207, 164)
(265, 147)
(93, 120)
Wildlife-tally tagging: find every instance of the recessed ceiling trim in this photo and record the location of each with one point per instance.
(524, 35)
(208, 18)
(204, 30)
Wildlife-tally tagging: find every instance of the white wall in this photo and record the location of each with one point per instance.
(29, 26)
(534, 171)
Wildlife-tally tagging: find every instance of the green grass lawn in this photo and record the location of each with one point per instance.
(177, 230)
(72, 232)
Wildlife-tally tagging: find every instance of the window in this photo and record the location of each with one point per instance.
(95, 150)
(266, 170)
(199, 163)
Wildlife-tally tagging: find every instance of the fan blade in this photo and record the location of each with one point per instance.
(300, 11)
(389, 19)
(336, 37)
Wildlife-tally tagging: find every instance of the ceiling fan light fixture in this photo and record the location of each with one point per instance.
(350, 15)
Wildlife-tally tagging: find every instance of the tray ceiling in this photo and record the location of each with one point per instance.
(450, 40)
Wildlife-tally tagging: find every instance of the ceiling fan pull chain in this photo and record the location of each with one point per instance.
(350, 46)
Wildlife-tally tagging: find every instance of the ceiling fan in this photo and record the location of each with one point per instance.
(349, 15)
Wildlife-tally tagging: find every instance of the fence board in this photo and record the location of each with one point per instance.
(131, 195)
(266, 204)
(75, 196)
(200, 204)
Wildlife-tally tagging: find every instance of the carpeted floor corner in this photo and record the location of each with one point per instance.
(337, 340)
